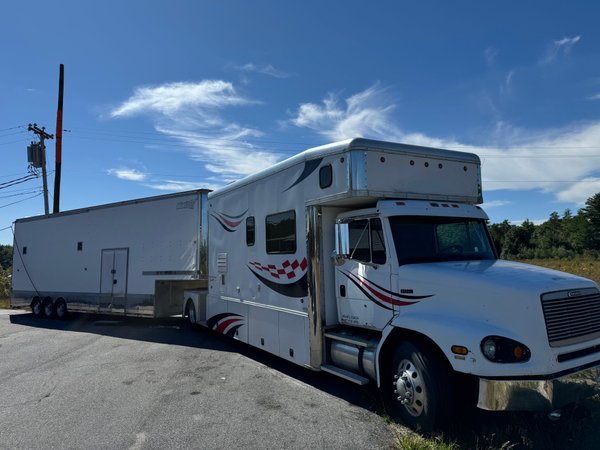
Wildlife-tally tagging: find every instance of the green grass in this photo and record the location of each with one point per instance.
(481, 430)
(583, 267)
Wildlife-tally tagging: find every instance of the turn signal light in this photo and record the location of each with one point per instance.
(459, 350)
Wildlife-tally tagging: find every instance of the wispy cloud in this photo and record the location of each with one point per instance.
(124, 173)
(158, 182)
(490, 54)
(178, 186)
(559, 48)
(563, 162)
(367, 114)
(264, 69)
(594, 97)
(225, 151)
(496, 204)
(194, 113)
(171, 98)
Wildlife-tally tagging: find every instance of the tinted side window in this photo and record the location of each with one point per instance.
(359, 240)
(250, 231)
(377, 244)
(366, 241)
(280, 232)
(325, 176)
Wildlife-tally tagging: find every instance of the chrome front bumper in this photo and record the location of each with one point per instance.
(538, 395)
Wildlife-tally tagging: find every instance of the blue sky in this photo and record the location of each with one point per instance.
(164, 96)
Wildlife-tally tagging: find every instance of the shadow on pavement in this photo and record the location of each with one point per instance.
(177, 332)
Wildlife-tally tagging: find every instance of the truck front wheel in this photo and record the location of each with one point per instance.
(419, 399)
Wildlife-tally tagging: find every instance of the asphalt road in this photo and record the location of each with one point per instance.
(138, 384)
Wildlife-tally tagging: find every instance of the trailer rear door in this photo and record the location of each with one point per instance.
(113, 280)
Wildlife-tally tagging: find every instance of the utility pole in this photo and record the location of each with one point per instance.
(58, 158)
(43, 135)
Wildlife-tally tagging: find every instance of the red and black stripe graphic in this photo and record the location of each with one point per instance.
(272, 276)
(296, 289)
(226, 323)
(229, 222)
(381, 296)
(309, 167)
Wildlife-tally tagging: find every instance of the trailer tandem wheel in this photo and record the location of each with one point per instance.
(190, 312)
(48, 308)
(60, 309)
(36, 307)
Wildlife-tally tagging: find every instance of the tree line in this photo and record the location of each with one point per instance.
(563, 236)
(5, 270)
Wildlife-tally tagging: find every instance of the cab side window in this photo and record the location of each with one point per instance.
(366, 241)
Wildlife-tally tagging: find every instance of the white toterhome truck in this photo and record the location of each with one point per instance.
(368, 260)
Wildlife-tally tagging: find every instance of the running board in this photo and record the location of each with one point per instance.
(345, 374)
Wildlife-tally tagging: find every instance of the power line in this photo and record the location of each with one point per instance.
(12, 128)
(28, 177)
(16, 190)
(460, 147)
(179, 135)
(12, 134)
(18, 181)
(23, 200)
(13, 142)
(22, 193)
(11, 175)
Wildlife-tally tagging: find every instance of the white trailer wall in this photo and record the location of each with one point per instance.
(158, 240)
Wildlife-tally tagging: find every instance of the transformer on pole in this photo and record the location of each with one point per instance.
(38, 152)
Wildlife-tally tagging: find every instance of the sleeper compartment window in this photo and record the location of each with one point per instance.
(250, 231)
(280, 232)
(325, 176)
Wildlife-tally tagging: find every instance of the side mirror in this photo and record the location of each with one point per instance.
(342, 244)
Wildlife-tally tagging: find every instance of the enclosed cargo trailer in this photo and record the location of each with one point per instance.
(132, 258)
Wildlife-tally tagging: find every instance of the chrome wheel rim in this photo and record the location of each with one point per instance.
(48, 309)
(410, 388)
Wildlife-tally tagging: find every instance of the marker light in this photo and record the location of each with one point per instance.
(459, 350)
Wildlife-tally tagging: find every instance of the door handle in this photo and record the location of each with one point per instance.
(342, 290)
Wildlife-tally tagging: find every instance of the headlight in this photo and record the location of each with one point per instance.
(504, 350)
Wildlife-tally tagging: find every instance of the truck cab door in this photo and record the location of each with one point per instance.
(363, 282)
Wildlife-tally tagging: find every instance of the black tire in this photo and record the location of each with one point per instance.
(421, 381)
(60, 309)
(48, 308)
(190, 312)
(36, 307)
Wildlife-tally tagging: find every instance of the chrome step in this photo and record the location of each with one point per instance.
(345, 374)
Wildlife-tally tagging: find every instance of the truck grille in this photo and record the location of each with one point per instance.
(572, 316)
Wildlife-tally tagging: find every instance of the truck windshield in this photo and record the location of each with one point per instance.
(431, 239)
